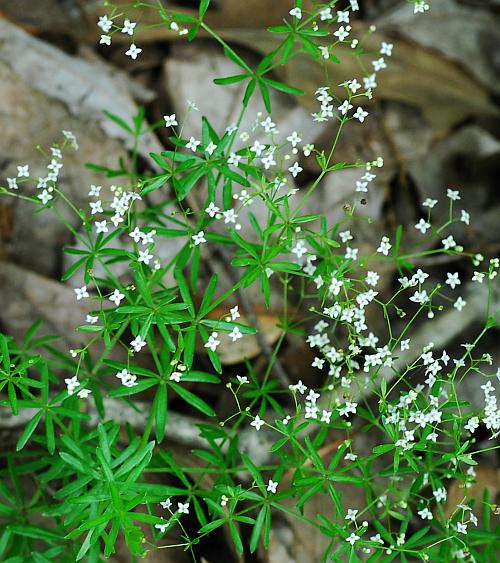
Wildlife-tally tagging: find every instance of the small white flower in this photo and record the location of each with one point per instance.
(116, 297)
(133, 51)
(170, 120)
(465, 217)
(272, 486)
(296, 13)
(235, 334)
(351, 514)
(105, 40)
(212, 209)
(345, 107)
(386, 49)
(440, 494)
(352, 539)
(425, 514)
(212, 342)
(183, 508)
(23, 171)
(83, 393)
(162, 527)
(372, 278)
(199, 238)
(138, 343)
(101, 227)
(452, 280)
(105, 23)
(453, 194)
(45, 197)
(478, 276)
(461, 528)
(12, 182)
(145, 256)
(295, 169)
(128, 27)
(430, 203)
(167, 503)
(81, 292)
(449, 242)
(242, 379)
(422, 226)
(384, 246)
(192, 144)
(405, 344)
(235, 313)
(94, 190)
(360, 114)
(257, 423)
(95, 207)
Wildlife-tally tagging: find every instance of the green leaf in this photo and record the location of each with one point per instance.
(284, 87)
(28, 430)
(192, 399)
(119, 121)
(161, 412)
(254, 539)
(230, 79)
(235, 537)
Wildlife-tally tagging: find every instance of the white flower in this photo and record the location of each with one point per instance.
(343, 32)
(128, 27)
(293, 138)
(257, 423)
(351, 514)
(419, 297)
(345, 236)
(342, 17)
(199, 238)
(345, 107)
(295, 169)
(235, 334)
(162, 527)
(405, 344)
(352, 539)
(430, 203)
(210, 148)
(45, 197)
(23, 170)
(101, 227)
(116, 297)
(465, 217)
(12, 183)
(133, 51)
(234, 312)
(144, 256)
(94, 190)
(461, 528)
(138, 343)
(372, 278)
(242, 379)
(95, 207)
(452, 280)
(83, 393)
(296, 13)
(453, 195)
(422, 226)
(212, 209)
(425, 514)
(449, 242)
(379, 64)
(170, 120)
(360, 114)
(192, 144)
(326, 416)
(183, 508)
(420, 7)
(166, 503)
(71, 384)
(272, 486)
(147, 238)
(91, 319)
(105, 23)
(212, 342)
(472, 424)
(386, 49)
(440, 494)
(384, 246)
(81, 292)
(105, 40)
(478, 276)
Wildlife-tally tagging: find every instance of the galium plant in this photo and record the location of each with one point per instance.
(82, 476)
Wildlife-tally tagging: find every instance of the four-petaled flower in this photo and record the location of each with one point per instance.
(133, 51)
(257, 423)
(81, 292)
